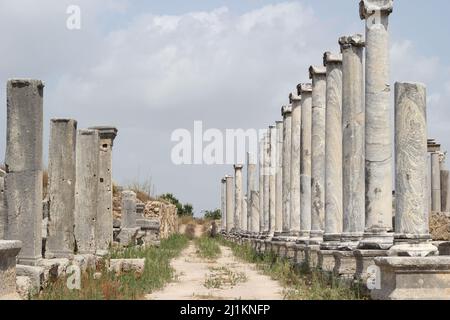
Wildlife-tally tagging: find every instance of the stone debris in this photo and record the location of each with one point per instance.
(440, 226)
(120, 266)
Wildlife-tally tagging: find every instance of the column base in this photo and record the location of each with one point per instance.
(290, 251)
(413, 250)
(409, 278)
(345, 264)
(377, 240)
(312, 255)
(8, 253)
(316, 237)
(326, 260)
(59, 254)
(300, 257)
(27, 261)
(365, 259)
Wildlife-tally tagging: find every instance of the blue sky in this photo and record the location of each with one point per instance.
(150, 67)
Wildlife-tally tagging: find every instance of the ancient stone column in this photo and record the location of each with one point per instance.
(333, 153)
(353, 123)
(251, 186)
(129, 214)
(244, 214)
(279, 182)
(230, 205)
(86, 190)
(261, 184)
(296, 123)
(61, 176)
(412, 236)
(223, 202)
(238, 195)
(286, 112)
(3, 210)
(435, 182)
(378, 126)
(267, 163)
(104, 222)
(272, 178)
(445, 191)
(254, 208)
(319, 85)
(23, 161)
(305, 91)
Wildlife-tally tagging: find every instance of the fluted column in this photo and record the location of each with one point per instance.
(251, 186)
(378, 134)
(286, 112)
(353, 120)
(412, 236)
(272, 179)
(305, 91)
(261, 182)
(267, 162)
(279, 182)
(296, 123)
(436, 182)
(318, 76)
(229, 203)
(238, 196)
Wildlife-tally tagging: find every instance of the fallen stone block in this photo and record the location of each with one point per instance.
(119, 266)
(24, 286)
(8, 253)
(84, 261)
(36, 275)
(127, 236)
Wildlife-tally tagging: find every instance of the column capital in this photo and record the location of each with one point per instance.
(106, 132)
(315, 71)
(293, 97)
(238, 167)
(26, 82)
(329, 58)
(356, 40)
(303, 88)
(369, 7)
(286, 111)
(224, 179)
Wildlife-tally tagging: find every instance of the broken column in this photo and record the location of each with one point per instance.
(238, 196)
(411, 271)
(286, 112)
(23, 161)
(272, 179)
(61, 176)
(251, 186)
(86, 190)
(296, 123)
(129, 229)
(279, 182)
(3, 210)
(318, 76)
(305, 91)
(378, 134)
(435, 182)
(229, 204)
(104, 221)
(8, 254)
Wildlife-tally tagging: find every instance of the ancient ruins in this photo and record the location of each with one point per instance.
(335, 172)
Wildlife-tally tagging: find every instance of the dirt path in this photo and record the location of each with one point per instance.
(225, 278)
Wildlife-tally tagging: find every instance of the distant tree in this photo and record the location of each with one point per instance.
(212, 214)
(188, 210)
(183, 210)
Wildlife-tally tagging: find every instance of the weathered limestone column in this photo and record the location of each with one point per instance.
(61, 174)
(305, 91)
(318, 76)
(272, 179)
(238, 196)
(435, 182)
(296, 124)
(251, 186)
(86, 190)
(412, 236)
(230, 204)
(254, 208)
(104, 222)
(353, 123)
(333, 154)
(286, 112)
(223, 202)
(8, 254)
(3, 210)
(279, 182)
(261, 183)
(244, 214)
(445, 191)
(378, 129)
(23, 161)
(267, 163)
(129, 209)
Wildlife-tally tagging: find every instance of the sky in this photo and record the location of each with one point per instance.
(151, 67)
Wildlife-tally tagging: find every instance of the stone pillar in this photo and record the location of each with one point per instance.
(86, 190)
(279, 182)
(267, 163)
(286, 112)
(238, 196)
(445, 191)
(3, 210)
(129, 214)
(229, 202)
(61, 175)
(104, 222)
(223, 202)
(244, 214)
(23, 161)
(412, 236)
(305, 91)
(319, 84)
(272, 179)
(261, 184)
(378, 134)
(333, 154)
(352, 48)
(251, 186)
(435, 182)
(254, 208)
(296, 124)
(8, 253)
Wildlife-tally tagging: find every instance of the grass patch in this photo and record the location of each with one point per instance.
(207, 248)
(109, 286)
(223, 277)
(300, 283)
